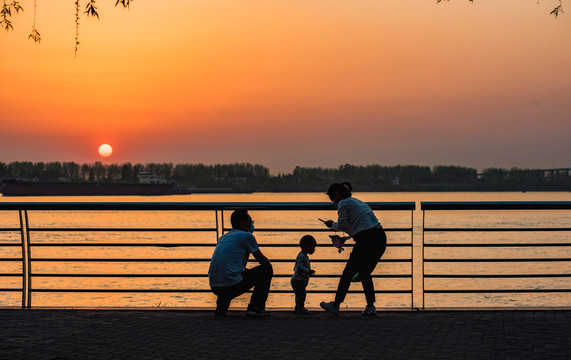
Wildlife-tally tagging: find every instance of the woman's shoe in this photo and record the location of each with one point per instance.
(330, 307)
(303, 311)
(370, 311)
(253, 311)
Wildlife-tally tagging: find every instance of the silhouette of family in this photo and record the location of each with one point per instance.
(229, 277)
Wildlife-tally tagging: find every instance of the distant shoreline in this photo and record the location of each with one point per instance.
(322, 191)
(247, 178)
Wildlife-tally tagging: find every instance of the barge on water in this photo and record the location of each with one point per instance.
(148, 185)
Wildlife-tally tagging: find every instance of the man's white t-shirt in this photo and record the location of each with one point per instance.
(230, 257)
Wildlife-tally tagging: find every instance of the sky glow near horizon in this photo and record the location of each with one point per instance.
(308, 83)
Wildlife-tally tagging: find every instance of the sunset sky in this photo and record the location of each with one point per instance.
(286, 83)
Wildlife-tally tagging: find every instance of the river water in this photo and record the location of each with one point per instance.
(393, 267)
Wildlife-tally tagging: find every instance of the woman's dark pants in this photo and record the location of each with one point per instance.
(259, 277)
(370, 245)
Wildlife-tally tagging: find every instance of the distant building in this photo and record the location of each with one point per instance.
(150, 178)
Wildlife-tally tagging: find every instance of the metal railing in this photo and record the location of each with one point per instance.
(448, 248)
(29, 232)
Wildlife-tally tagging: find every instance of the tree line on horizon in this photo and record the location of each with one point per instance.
(254, 177)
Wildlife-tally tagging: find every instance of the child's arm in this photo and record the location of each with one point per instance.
(301, 266)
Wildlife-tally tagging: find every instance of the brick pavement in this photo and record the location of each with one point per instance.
(164, 334)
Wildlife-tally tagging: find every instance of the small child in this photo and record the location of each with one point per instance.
(302, 272)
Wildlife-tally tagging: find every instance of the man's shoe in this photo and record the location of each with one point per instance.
(222, 305)
(303, 311)
(330, 307)
(219, 313)
(257, 312)
(370, 311)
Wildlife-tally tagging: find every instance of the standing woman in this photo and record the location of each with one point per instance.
(358, 220)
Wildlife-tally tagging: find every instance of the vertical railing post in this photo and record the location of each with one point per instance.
(222, 220)
(412, 259)
(422, 251)
(217, 226)
(29, 260)
(24, 260)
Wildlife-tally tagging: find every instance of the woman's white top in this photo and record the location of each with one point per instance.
(354, 217)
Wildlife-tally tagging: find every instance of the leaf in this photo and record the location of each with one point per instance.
(7, 25)
(35, 35)
(17, 6)
(556, 11)
(125, 3)
(5, 11)
(91, 9)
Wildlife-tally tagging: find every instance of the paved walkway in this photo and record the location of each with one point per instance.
(162, 334)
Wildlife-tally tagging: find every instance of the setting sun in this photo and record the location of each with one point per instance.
(105, 150)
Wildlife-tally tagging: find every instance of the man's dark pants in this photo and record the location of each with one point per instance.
(259, 277)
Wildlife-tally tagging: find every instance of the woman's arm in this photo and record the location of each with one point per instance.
(342, 223)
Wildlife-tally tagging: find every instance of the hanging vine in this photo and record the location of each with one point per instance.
(76, 27)
(6, 13)
(35, 35)
(9, 8)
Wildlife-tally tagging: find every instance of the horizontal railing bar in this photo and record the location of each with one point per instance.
(314, 229)
(10, 274)
(495, 291)
(118, 260)
(258, 230)
(498, 260)
(43, 229)
(462, 276)
(197, 275)
(206, 291)
(126, 244)
(497, 245)
(494, 229)
(180, 206)
(10, 244)
(11, 259)
(188, 260)
(120, 275)
(10, 290)
(496, 205)
(182, 244)
(333, 291)
(10, 229)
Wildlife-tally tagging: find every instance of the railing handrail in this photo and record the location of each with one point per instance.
(495, 205)
(194, 205)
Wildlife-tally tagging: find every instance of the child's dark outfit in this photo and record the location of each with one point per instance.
(300, 279)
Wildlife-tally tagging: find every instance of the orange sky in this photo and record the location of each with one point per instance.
(286, 83)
